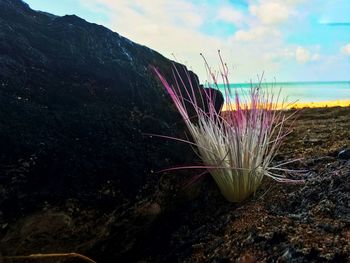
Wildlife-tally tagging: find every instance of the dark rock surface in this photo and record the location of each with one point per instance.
(75, 99)
(75, 102)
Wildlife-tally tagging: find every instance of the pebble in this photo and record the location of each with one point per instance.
(344, 154)
(287, 255)
(247, 258)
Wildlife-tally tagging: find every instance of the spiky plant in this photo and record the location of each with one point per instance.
(238, 145)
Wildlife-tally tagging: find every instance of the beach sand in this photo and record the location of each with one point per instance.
(321, 104)
(303, 104)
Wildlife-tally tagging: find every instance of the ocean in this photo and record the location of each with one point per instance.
(305, 93)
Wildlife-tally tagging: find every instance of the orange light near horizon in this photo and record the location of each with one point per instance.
(300, 105)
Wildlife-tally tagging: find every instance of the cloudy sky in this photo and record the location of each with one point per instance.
(288, 40)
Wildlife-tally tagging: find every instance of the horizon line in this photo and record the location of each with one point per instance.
(288, 82)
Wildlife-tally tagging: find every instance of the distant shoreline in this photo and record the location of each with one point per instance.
(304, 94)
(277, 83)
(321, 104)
(304, 104)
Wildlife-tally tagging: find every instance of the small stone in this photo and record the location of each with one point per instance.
(344, 154)
(287, 254)
(247, 258)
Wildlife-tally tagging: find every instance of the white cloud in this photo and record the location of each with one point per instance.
(257, 33)
(315, 57)
(230, 15)
(288, 53)
(178, 27)
(345, 49)
(162, 25)
(274, 12)
(270, 12)
(304, 55)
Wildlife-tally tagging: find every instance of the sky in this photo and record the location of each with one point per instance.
(285, 40)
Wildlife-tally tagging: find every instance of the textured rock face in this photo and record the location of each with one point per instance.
(75, 100)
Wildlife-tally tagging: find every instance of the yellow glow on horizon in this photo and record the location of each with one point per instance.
(300, 105)
(322, 104)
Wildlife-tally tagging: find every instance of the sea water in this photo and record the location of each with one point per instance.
(304, 92)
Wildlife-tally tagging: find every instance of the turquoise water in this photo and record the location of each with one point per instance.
(304, 91)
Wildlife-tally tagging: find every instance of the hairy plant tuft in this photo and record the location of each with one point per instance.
(237, 145)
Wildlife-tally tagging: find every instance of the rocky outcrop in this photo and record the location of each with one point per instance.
(75, 100)
(77, 172)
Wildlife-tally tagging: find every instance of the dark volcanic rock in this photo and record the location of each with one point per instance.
(75, 100)
(76, 170)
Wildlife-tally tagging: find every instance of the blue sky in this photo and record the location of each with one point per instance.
(288, 40)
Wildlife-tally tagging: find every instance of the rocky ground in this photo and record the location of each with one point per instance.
(308, 222)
